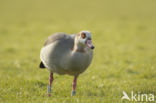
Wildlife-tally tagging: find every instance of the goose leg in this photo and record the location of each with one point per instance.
(50, 83)
(74, 86)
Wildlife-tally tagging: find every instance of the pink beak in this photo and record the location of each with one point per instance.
(89, 44)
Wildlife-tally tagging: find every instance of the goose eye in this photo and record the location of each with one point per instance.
(83, 35)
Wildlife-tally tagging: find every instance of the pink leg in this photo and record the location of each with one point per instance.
(74, 86)
(50, 83)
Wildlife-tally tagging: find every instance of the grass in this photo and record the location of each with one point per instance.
(123, 33)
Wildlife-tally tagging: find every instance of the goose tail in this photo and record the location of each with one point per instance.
(42, 65)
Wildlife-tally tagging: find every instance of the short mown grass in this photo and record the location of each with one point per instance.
(124, 35)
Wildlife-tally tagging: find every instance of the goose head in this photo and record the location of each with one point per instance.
(83, 40)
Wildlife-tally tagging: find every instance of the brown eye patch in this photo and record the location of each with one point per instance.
(83, 35)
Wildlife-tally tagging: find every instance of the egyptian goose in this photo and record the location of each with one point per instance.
(67, 54)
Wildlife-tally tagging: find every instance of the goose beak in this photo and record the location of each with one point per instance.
(89, 44)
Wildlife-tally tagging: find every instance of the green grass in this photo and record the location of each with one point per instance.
(123, 32)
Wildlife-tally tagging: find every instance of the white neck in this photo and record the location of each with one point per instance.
(78, 48)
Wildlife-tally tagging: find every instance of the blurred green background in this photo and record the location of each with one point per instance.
(123, 32)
